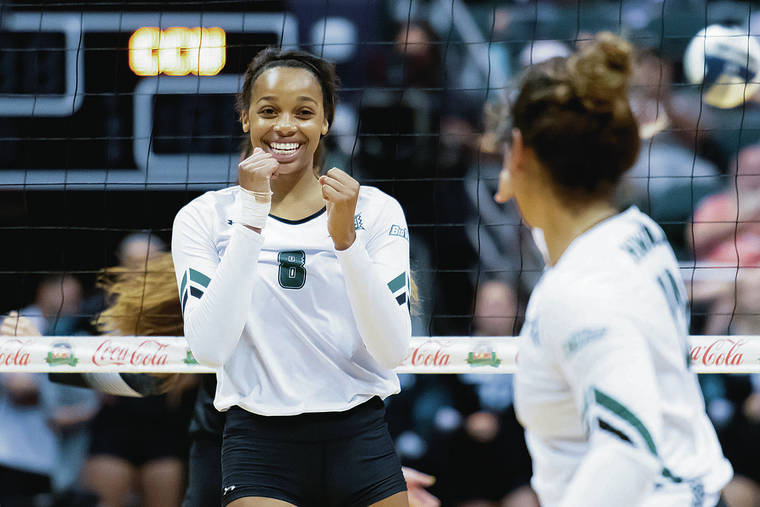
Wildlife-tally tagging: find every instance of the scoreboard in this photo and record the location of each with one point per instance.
(126, 100)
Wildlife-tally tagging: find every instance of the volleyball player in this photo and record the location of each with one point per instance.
(146, 303)
(613, 414)
(294, 286)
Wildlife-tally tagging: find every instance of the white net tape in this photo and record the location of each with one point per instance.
(436, 354)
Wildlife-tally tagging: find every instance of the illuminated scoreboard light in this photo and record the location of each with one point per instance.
(177, 51)
(126, 99)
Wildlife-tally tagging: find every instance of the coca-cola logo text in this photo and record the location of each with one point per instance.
(429, 355)
(144, 353)
(721, 352)
(12, 353)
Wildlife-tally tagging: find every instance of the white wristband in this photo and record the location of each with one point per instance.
(252, 212)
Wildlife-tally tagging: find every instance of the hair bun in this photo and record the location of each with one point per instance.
(600, 72)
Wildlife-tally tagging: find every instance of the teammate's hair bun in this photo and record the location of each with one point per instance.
(599, 72)
(574, 113)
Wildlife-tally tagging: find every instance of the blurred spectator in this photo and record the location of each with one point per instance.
(462, 429)
(56, 311)
(504, 245)
(56, 307)
(484, 462)
(139, 445)
(44, 430)
(668, 178)
(495, 309)
(28, 450)
(415, 147)
(716, 134)
(726, 231)
(726, 225)
(399, 119)
(133, 252)
(138, 450)
(740, 437)
(135, 249)
(414, 61)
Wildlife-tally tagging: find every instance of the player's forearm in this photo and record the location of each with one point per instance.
(612, 474)
(214, 324)
(383, 323)
(104, 382)
(135, 385)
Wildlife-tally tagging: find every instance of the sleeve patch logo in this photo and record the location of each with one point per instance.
(581, 338)
(530, 329)
(401, 232)
(358, 222)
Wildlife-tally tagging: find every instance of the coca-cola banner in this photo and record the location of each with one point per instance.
(464, 354)
(97, 353)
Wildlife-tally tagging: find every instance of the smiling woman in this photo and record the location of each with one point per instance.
(306, 323)
(273, 59)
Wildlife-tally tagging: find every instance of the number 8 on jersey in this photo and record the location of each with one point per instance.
(292, 274)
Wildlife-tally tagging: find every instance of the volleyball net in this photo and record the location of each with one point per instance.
(449, 354)
(113, 115)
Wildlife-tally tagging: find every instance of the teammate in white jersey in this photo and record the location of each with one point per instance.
(294, 286)
(613, 414)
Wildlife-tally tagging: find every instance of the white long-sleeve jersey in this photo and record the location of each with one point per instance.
(292, 325)
(612, 412)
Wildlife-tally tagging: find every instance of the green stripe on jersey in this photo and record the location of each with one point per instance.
(669, 475)
(184, 282)
(198, 277)
(621, 411)
(397, 283)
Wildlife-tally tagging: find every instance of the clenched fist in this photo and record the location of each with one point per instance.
(255, 172)
(341, 192)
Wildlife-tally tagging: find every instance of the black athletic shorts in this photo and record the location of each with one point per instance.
(321, 459)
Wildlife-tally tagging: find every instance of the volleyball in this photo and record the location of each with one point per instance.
(726, 61)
